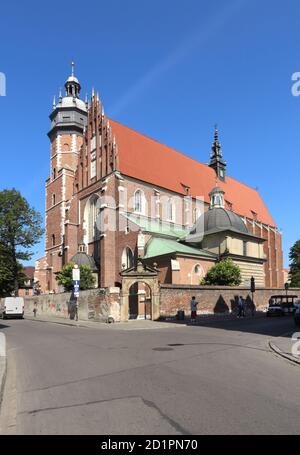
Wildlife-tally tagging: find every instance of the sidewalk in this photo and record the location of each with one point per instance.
(283, 347)
(2, 364)
(140, 324)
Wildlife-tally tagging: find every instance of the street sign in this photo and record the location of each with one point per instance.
(76, 273)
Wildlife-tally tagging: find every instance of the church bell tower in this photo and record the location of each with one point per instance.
(68, 121)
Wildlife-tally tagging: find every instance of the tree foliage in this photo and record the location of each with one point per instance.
(65, 278)
(295, 264)
(20, 230)
(224, 273)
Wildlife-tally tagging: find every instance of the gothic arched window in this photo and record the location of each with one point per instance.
(139, 202)
(127, 258)
(170, 210)
(91, 218)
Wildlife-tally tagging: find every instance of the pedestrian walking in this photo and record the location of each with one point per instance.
(194, 305)
(241, 307)
(35, 309)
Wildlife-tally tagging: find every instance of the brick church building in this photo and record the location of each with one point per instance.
(114, 194)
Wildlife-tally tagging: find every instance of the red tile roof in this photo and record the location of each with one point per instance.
(29, 272)
(146, 159)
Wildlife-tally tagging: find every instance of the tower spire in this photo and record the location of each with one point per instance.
(216, 157)
(73, 66)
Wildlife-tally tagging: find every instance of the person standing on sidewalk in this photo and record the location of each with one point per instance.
(241, 307)
(34, 309)
(194, 305)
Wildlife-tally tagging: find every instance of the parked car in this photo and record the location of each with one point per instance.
(297, 315)
(281, 305)
(297, 304)
(12, 307)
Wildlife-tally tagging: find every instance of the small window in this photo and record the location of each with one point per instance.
(54, 173)
(53, 199)
(229, 205)
(53, 240)
(254, 215)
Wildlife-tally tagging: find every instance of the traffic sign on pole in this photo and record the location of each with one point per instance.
(76, 273)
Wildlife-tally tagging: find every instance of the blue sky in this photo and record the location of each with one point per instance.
(169, 69)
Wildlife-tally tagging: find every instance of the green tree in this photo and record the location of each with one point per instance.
(224, 273)
(65, 278)
(7, 277)
(295, 265)
(295, 280)
(20, 230)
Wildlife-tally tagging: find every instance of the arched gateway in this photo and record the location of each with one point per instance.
(140, 274)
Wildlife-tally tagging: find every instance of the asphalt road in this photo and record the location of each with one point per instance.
(220, 378)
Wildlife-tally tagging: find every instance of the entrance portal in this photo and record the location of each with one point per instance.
(139, 301)
(140, 293)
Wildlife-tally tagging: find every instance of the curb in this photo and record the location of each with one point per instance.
(3, 369)
(69, 324)
(279, 352)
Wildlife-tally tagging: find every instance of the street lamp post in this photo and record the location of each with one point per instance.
(286, 287)
(253, 289)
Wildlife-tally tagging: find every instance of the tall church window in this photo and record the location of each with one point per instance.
(170, 210)
(93, 143)
(245, 248)
(127, 258)
(93, 168)
(91, 216)
(139, 202)
(196, 214)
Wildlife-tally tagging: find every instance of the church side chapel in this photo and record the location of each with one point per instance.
(161, 206)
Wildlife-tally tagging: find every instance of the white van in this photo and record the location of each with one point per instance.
(12, 307)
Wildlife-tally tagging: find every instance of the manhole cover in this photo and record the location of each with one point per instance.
(162, 349)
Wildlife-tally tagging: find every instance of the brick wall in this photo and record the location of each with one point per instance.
(212, 299)
(94, 304)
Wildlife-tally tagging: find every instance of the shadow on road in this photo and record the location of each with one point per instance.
(260, 324)
(4, 326)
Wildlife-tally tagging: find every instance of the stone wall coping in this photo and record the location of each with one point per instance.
(291, 291)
